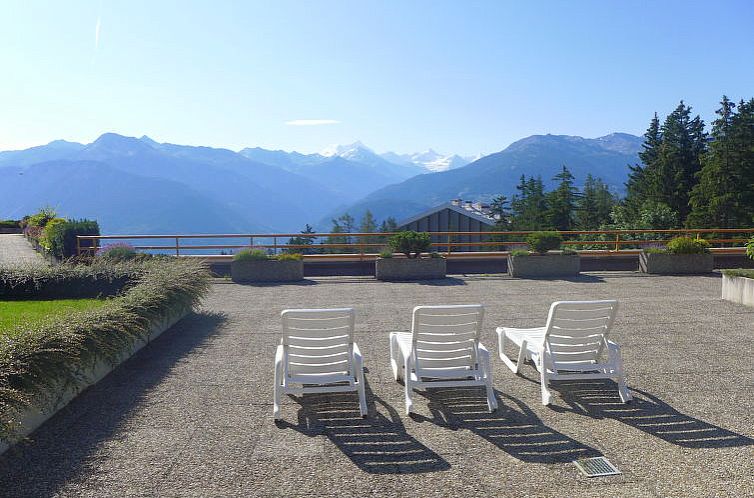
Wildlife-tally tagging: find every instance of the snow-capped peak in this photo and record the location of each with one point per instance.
(345, 150)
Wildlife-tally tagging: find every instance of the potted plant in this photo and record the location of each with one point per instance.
(257, 266)
(738, 284)
(544, 258)
(682, 255)
(413, 266)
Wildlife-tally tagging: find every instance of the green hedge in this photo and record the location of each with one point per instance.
(62, 236)
(10, 223)
(36, 362)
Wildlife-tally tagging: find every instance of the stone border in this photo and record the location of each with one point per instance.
(399, 269)
(34, 416)
(676, 264)
(267, 270)
(738, 290)
(544, 265)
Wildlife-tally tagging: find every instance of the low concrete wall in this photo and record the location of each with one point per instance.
(267, 271)
(9, 231)
(676, 264)
(35, 416)
(544, 265)
(397, 269)
(738, 290)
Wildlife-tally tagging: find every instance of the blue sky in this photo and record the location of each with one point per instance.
(465, 76)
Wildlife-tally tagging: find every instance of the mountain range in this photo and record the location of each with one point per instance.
(137, 185)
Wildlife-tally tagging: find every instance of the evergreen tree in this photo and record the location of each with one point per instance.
(342, 224)
(595, 204)
(637, 184)
(303, 241)
(389, 225)
(529, 206)
(561, 202)
(674, 176)
(501, 213)
(716, 201)
(368, 225)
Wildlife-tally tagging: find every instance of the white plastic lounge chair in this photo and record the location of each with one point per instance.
(317, 352)
(571, 346)
(442, 350)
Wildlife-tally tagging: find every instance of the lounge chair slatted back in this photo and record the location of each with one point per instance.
(318, 352)
(442, 350)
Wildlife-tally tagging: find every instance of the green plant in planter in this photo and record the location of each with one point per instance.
(750, 248)
(289, 257)
(386, 254)
(251, 255)
(410, 243)
(541, 242)
(687, 245)
(435, 255)
(519, 252)
(49, 233)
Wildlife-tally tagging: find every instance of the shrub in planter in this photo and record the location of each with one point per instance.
(410, 243)
(539, 262)
(542, 242)
(413, 266)
(683, 255)
(258, 266)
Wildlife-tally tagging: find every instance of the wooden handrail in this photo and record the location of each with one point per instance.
(360, 245)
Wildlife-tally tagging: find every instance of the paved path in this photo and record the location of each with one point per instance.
(15, 250)
(190, 415)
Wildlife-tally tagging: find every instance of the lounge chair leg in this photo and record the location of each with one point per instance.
(276, 395)
(408, 387)
(514, 367)
(395, 364)
(484, 360)
(546, 395)
(361, 389)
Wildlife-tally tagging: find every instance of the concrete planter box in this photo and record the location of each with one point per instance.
(396, 269)
(544, 265)
(37, 414)
(267, 271)
(7, 231)
(675, 264)
(738, 290)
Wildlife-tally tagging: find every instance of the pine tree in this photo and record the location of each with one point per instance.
(389, 225)
(303, 241)
(638, 178)
(342, 224)
(368, 225)
(529, 206)
(561, 202)
(500, 211)
(595, 204)
(716, 199)
(683, 143)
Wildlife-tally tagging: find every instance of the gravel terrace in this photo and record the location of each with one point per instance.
(191, 414)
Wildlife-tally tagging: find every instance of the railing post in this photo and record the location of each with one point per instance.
(275, 245)
(177, 251)
(617, 241)
(251, 242)
(449, 246)
(78, 246)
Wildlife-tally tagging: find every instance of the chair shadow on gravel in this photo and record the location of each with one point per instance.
(60, 450)
(377, 444)
(442, 282)
(298, 283)
(648, 413)
(513, 427)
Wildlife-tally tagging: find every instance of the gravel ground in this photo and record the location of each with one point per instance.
(15, 250)
(191, 414)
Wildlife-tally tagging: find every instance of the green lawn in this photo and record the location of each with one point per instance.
(15, 314)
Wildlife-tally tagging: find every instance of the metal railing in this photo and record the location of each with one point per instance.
(452, 244)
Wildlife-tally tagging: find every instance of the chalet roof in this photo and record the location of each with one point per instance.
(475, 215)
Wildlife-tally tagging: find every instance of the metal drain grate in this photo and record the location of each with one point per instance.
(596, 467)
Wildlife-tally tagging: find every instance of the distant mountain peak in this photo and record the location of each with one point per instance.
(345, 150)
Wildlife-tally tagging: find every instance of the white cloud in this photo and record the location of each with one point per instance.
(311, 122)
